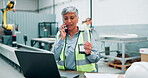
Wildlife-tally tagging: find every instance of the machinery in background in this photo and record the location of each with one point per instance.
(47, 29)
(8, 28)
(25, 38)
(9, 38)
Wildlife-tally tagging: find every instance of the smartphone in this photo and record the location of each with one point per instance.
(66, 30)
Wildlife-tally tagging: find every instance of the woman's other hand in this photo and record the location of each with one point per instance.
(87, 47)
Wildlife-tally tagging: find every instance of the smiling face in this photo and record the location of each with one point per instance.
(70, 20)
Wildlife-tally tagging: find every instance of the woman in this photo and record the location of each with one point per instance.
(67, 48)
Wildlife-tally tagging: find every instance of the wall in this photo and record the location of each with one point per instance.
(139, 29)
(44, 6)
(107, 12)
(1, 4)
(47, 6)
(44, 3)
(28, 5)
(120, 12)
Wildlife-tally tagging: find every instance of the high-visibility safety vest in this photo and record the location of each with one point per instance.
(57, 35)
(81, 63)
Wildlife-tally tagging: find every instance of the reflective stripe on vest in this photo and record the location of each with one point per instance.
(61, 62)
(81, 63)
(57, 35)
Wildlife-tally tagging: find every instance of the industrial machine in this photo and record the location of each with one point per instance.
(8, 37)
(8, 28)
(47, 29)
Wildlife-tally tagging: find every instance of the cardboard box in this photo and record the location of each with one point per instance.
(144, 57)
(144, 50)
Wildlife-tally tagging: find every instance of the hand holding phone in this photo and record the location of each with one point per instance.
(66, 29)
(63, 29)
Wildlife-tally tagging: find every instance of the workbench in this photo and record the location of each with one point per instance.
(44, 43)
(121, 42)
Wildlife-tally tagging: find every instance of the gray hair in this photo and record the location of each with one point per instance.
(70, 9)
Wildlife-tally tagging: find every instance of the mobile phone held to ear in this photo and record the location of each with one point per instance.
(66, 30)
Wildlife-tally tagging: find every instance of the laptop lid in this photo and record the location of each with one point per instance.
(36, 64)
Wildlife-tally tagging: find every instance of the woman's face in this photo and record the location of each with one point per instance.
(70, 20)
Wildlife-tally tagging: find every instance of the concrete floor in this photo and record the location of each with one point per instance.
(7, 71)
(104, 68)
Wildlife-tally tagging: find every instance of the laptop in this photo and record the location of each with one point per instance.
(38, 64)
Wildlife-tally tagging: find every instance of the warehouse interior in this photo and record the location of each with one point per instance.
(120, 32)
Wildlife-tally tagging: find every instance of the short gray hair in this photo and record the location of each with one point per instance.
(70, 9)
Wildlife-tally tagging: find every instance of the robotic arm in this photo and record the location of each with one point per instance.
(10, 6)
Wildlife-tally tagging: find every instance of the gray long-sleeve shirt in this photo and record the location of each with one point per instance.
(69, 51)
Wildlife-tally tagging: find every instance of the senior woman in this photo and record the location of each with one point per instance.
(75, 49)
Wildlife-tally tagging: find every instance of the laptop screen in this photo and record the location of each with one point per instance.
(36, 64)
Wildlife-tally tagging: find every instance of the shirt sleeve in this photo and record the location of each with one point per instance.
(57, 48)
(95, 56)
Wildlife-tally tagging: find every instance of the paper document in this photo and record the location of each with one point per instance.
(98, 75)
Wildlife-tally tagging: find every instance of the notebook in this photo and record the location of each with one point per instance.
(38, 64)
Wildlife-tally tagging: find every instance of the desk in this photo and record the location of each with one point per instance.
(93, 75)
(103, 75)
(46, 41)
(121, 42)
(81, 74)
